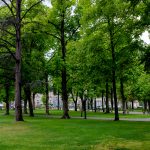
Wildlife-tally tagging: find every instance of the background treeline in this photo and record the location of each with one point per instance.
(84, 49)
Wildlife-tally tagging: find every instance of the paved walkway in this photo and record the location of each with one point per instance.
(125, 119)
(99, 118)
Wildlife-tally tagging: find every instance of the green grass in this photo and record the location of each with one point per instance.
(48, 133)
(93, 114)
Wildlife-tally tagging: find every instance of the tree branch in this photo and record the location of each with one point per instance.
(12, 54)
(56, 26)
(30, 9)
(8, 7)
(7, 31)
(7, 42)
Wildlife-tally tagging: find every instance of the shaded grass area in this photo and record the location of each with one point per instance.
(41, 132)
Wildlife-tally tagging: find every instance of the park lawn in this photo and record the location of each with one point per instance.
(93, 114)
(47, 133)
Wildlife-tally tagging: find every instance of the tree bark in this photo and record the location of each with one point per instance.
(95, 105)
(113, 68)
(33, 100)
(75, 105)
(122, 96)
(149, 106)
(75, 100)
(18, 107)
(58, 104)
(103, 101)
(28, 95)
(25, 105)
(7, 98)
(84, 108)
(81, 97)
(145, 106)
(47, 94)
(107, 101)
(112, 103)
(63, 71)
(91, 104)
(88, 107)
(132, 102)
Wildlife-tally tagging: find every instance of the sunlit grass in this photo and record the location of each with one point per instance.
(48, 133)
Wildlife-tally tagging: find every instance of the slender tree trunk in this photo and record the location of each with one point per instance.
(107, 101)
(84, 108)
(132, 103)
(7, 98)
(103, 101)
(95, 105)
(91, 103)
(75, 100)
(33, 99)
(58, 104)
(75, 105)
(113, 69)
(122, 96)
(30, 104)
(88, 104)
(25, 105)
(112, 103)
(28, 95)
(18, 107)
(149, 106)
(47, 94)
(63, 71)
(145, 106)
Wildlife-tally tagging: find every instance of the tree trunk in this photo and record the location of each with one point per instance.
(88, 104)
(64, 95)
(112, 103)
(95, 105)
(28, 95)
(7, 97)
(81, 97)
(149, 106)
(103, 101)
(122, 96)
(145, 106)
(58, 101)
(84, 108)
(47, 94)
(63, 71)
(75, 105)
(33, 99)
(75, 100)
(107, 101)
(18, 107)
(25, 105)
(113, 69)
(132, 102)
(91, 104)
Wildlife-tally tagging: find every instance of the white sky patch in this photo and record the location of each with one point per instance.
(146, 37)
(49, 54)
(47, 3)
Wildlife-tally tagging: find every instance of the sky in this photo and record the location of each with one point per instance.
(146, 37)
